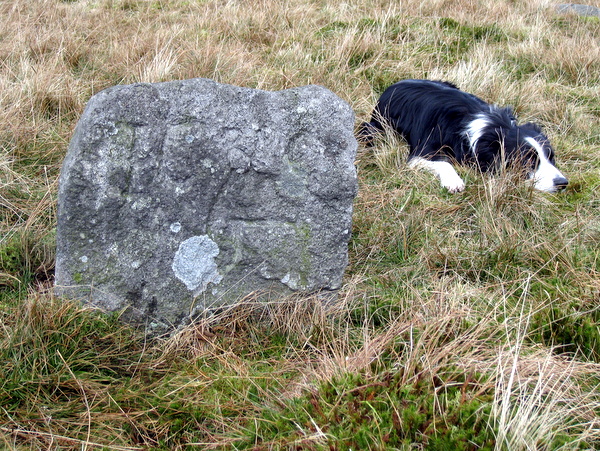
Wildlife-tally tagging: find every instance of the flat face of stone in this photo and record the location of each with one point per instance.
(176, 197)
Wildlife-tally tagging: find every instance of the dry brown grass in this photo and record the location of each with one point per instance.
(436, 283)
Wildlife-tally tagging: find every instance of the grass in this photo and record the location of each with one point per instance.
(466, 321)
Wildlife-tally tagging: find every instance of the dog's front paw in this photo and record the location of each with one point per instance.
(455, 188)
(443, 170)
(452, 182)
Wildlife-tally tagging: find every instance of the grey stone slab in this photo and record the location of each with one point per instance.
(182, 196)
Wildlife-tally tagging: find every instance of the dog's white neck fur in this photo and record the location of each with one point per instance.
(475, 129)
(546, 173)
(443, 170)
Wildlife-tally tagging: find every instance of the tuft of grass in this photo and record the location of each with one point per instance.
(536, 405)
(356, 412)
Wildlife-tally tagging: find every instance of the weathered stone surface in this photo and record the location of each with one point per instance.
(181, 196)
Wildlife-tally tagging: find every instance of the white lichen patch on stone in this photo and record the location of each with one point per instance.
(293, 281)
(194, 263)
(175, 227)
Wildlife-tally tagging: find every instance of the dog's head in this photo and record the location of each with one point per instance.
(526, 148)
(533, 151)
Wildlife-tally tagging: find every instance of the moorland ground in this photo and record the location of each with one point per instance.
(466, 321)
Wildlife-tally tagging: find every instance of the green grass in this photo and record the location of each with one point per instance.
(466, 321)
(357, 412)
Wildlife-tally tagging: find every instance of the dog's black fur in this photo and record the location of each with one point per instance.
(444, 124)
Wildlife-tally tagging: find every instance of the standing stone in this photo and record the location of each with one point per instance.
(182, 196)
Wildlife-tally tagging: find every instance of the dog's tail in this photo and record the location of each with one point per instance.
(367, 132)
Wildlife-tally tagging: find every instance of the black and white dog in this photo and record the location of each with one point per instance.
(445, 125)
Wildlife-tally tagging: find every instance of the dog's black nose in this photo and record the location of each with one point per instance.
(560, 182)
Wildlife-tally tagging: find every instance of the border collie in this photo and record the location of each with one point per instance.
(445, 125)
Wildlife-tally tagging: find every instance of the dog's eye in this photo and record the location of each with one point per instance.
(548, 150)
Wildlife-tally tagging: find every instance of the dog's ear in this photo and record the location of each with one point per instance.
(508, 116)
(510, 112)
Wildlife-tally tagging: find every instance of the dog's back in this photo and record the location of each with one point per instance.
(427, 113)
